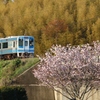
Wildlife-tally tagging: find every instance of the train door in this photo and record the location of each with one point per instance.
(14, 45)
(26, 44)
(14, 49)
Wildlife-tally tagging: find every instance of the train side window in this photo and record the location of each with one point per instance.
(0, 45)
(20, 42)
(5, 45)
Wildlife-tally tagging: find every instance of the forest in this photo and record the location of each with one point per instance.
(51, 22)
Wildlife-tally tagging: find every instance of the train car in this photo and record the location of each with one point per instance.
(16, 46)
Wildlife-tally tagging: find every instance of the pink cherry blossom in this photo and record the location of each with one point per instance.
(74, 69)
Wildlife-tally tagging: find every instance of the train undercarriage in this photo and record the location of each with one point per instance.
(16, 55)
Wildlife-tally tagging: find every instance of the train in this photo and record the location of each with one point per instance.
(16, 46)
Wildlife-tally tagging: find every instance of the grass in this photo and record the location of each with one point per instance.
(10, 69)
(27, 63)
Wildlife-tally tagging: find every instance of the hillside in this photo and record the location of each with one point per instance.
(9, 69)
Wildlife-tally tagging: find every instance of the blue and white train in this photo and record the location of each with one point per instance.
(16, 46)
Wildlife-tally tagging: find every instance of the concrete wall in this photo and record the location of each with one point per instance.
(95, 96)
(39, 93)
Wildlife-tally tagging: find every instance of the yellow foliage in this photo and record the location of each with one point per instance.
(31, 17)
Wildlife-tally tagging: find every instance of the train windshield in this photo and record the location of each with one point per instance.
(31, 42)
(20, 42)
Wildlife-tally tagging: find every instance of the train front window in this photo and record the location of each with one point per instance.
(31, 42)
(20, 42)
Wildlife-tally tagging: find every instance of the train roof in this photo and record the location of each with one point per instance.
(15, 37)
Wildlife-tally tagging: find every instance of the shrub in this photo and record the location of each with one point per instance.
(17, 62)
(13, 93)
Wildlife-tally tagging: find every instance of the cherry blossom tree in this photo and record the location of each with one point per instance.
(74, 69)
